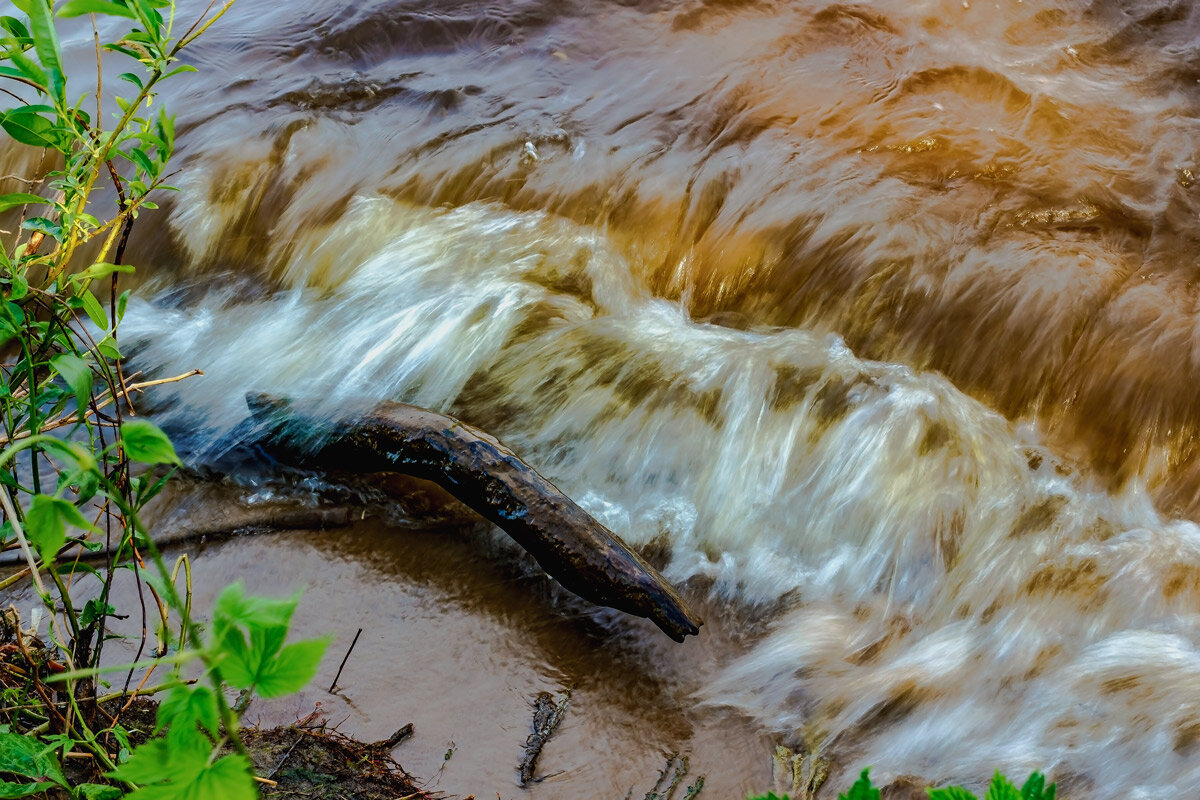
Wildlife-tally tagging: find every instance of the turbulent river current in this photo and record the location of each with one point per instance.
(876, 324)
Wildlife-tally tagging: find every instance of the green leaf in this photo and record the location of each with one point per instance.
(145, 442)
(154, 762)
(101, 269)
(186, 707)
(180, 69)
(28, 758)
(146, 12)
(131, 77)
(45, 42)
(16, 28)
(28, 127)
(261, 660)
(78, 375)
(139, 157)
(235, 659)
(95, 609)
(145, 491)
(1035, 788)
(951, 793)
(231, 778)
(233, 607)
(46, 522)
(292, 669)
(1001, 788)
(7, 331)
(45, 527)
(98, 791)
(179, 773)
(94, 310)
(27, 68)
(46, 226)
(15, 199)
(20, 287)
(77, 8)
(13, 790)
(108, 348)
(862, 789)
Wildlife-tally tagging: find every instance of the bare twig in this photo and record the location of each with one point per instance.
(394, 741)
(287, 755)
(547, 716)
(103, 401)
(346, 658)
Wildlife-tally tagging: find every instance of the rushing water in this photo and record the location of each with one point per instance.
(876, 322)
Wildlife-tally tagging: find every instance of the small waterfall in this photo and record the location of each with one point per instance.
(945, 594)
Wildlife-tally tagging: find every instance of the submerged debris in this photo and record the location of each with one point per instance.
(670, 777)
(573, 547)
(800, 775)
(547, 715)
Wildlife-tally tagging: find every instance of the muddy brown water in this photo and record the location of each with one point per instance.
(877, 322)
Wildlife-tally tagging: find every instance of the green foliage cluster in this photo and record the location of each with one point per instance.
(70, 451)
(1001, 788)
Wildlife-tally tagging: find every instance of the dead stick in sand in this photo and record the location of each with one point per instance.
(581, 554)
(547, 716)
(345, 658)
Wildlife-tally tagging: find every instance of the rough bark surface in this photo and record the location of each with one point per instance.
(575, 549)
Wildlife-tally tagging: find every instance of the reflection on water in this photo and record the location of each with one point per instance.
(877, 321)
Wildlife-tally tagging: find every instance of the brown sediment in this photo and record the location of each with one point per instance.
(319, 763)
(576, 550)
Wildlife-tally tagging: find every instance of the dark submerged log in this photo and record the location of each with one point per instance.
(576, 550)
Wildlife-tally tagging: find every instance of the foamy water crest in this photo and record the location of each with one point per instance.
(947, 596)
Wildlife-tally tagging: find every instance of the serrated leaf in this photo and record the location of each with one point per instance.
(951, 793)
(169, 773)
(153, 762)
(1001, 788)
(862, 789)
(234, 607)
(231, 778)
(145, 442)
(292, 669)
(29, 758)
(186, 707)
(98, 791)
(1035, 788)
